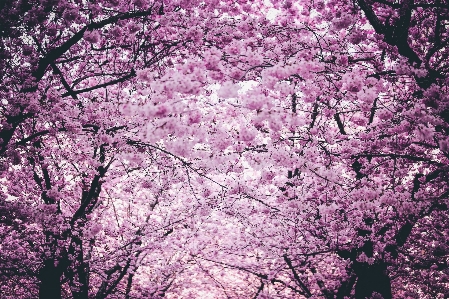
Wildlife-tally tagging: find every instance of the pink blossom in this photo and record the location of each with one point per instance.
(228, 90)
(70, 15)
(161, 110)
(342, 22)
(247, 135)
(116, 32)
(92, 37)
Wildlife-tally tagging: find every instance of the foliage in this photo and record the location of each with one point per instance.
(224, 149)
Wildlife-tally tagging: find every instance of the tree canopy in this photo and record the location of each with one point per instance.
(224, 149)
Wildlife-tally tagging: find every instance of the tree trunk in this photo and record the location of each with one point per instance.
(372, 279)
(77, 272)
(83, 292)
(50, 277)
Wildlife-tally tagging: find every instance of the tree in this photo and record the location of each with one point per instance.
(361, 204)
(82, 121)
(188, 148)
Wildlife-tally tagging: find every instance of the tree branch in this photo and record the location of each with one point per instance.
(112, 82)
(339, 124)
(296, 276)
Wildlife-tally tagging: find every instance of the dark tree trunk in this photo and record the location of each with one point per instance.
(370, 279)
(345, 288)
(50, 277)
(83, 292)
(77, 272)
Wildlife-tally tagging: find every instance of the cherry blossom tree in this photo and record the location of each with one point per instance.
(187, 149)
(89, 189)
(357, 187)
